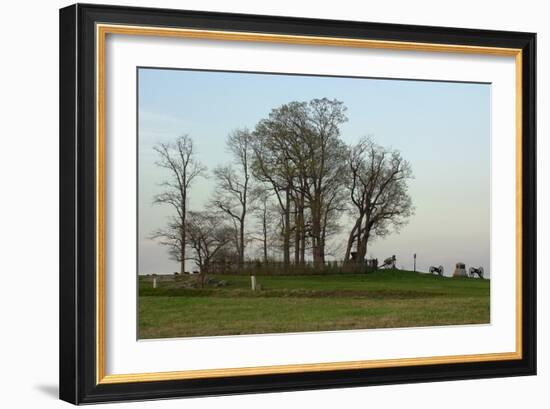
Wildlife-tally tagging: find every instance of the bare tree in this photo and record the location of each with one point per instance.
(377, 187)
(178, 158)
(233, 194)
(207, 235)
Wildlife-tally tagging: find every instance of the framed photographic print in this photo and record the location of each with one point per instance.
(257, 203)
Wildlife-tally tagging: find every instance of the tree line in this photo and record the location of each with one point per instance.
(292, 184)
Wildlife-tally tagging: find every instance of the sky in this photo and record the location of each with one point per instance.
(441, 128)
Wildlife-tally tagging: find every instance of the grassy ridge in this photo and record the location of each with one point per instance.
(383, 299)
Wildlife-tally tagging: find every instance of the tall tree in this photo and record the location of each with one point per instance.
(272, 167)
(327, 169)
(178, 158)
(300, 152)
(233, 194)
(377, 187)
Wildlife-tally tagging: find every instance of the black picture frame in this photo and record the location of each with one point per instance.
(78, 360)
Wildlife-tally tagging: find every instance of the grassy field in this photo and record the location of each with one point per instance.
(382, 299)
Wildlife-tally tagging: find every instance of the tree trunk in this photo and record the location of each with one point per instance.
(316, 233)
(362, 243)
(296, 233)
(241, 239)
(286, 231)
(316, 244)
(359, 248)
(322, 249)
(353, 235)
(182, 250)
(351, 240)
(183, 231)
(264, 226)
(303, 248)
(302, 230)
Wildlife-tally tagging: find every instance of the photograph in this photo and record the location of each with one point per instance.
(287, 203)
(260, 202)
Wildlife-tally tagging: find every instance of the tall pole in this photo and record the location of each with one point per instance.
(415, 262)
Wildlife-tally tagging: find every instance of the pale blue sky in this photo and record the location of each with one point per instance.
(441, 128)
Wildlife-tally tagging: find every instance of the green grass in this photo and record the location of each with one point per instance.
(382, 299)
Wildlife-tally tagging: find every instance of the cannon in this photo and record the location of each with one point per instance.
(437, 270)
(476, 271)
(389, 262)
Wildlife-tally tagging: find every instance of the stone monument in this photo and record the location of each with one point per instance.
(460, 270)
